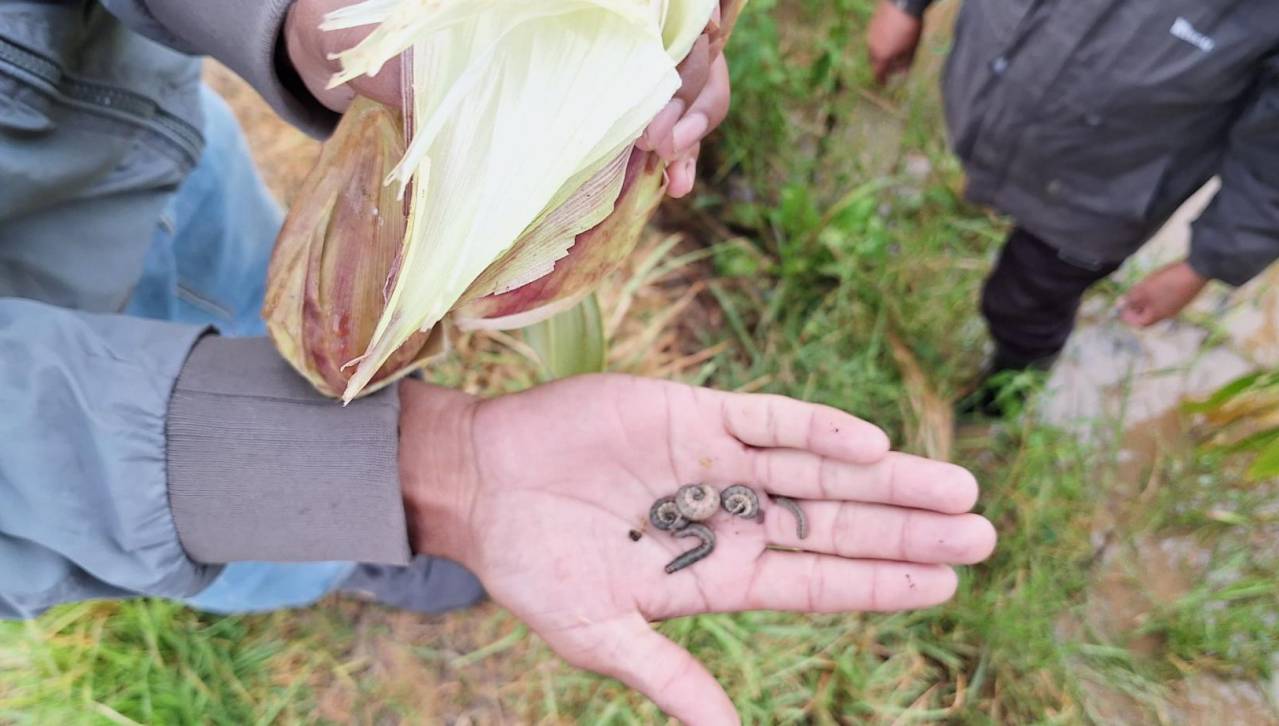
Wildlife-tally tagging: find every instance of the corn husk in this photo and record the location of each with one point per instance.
(594, 254)
(337, 249)
(518, 190)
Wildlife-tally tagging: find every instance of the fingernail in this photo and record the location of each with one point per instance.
(690, 171)
(646, 140)
(672, 110)
(689, 131)
(665, 120)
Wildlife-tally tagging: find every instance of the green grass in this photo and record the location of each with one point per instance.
(155, 661)
(829, 242)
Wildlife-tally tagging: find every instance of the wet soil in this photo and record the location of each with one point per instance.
(1116, 384)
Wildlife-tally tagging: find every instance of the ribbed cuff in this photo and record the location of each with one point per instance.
(246, 36)
(261, 467)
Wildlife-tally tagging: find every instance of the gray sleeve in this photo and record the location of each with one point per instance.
(245, 35)
(1237, 236)
(115, 450)
(85, 509)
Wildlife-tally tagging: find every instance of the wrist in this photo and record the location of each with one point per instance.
(1191, 273)
(438, 471)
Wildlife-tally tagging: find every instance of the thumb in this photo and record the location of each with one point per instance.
(1136, 317)
(1136, 310)
(652, 664)
(682, 174)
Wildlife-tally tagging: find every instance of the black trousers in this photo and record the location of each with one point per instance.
(1031, 299)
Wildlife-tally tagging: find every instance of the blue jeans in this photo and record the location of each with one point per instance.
(207, 266)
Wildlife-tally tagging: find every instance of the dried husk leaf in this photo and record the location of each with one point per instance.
(549, 239)
(334, 256)
(594, 255)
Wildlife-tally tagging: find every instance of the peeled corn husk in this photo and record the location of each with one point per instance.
(337, 249)
(518, 189)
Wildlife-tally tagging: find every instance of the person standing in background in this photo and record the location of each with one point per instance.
(1089, 123)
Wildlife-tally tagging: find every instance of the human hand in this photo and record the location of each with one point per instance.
(311, 51)
(699, 107)
(1161, 294)
(537, 493)
(675, 134)
(891, 40)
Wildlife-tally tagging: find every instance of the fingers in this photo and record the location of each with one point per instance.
(899, 479)
(694, 70)
(873, 531)
(1138, 310)
(880, 65)
(887, 66)
(650, 663)
(1138, 316)
(1162, 294)
(700, 106)
(682, 173)
(704, 114)
(807, 582)
(892, 38)
(311, 52)
(769, 421)
(386, 87)
(662, 125)
(685, 121)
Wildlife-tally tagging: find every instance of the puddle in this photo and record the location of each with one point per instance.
(1116, 384)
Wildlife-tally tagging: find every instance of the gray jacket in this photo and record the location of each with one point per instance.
(1091, 121)
(136, 456)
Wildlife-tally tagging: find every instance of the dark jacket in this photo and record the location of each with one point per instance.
(1091, 121)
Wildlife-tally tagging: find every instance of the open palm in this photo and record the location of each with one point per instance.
(566, 472)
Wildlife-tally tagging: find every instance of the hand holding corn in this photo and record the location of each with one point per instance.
(545, 495)
(675, 134)
(496, 161)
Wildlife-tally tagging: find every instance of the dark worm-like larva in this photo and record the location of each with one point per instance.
(701, 532)
(740, 500)
(697, 502)
(665, 515)
(792, 506)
